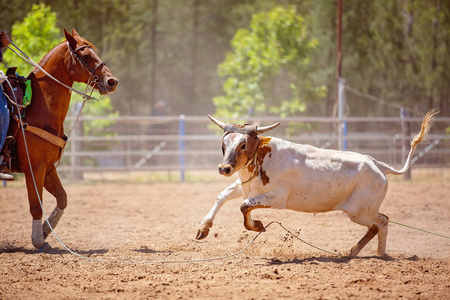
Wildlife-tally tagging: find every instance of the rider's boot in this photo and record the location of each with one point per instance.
(4, 170)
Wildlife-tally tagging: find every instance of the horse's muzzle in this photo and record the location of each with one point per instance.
(108, 86)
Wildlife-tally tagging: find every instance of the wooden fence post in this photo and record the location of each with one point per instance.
(406, 130)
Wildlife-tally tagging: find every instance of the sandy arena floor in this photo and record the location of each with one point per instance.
(158, 221)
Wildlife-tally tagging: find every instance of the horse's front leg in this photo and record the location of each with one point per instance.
(53, 185)
(35, 184)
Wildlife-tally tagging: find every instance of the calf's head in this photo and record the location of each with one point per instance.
(239, 145)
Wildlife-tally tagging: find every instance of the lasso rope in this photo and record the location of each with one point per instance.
(179, 261)
(423, 230)
(156, 261)
(193, 260)
(175, 261)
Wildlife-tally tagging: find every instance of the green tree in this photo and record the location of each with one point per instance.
(35, 35)
(397, 51)
(268, 66)
(102, 107)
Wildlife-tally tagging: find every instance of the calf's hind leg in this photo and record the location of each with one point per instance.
(377, 225)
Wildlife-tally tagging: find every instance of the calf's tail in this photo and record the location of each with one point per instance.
(426, 125)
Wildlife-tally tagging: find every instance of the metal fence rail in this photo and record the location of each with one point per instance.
(193, 143)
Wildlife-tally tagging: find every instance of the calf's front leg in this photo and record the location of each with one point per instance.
(230, 193)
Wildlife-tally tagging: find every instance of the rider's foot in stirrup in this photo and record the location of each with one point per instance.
(4, 174)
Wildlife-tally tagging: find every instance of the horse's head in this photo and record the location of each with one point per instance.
(86, 66)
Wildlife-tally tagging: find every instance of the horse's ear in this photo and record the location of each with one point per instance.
(70, 39)
(74, 32)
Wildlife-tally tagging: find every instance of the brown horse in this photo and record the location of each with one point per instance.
(72, 60)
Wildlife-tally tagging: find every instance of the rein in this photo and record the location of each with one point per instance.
(92, 71)
(34, 64)
(51, 138)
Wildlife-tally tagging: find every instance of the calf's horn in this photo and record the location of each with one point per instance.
(217, 122)
(266, 128)
(258, 131)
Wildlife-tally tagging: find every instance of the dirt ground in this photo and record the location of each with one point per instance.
(145, 222)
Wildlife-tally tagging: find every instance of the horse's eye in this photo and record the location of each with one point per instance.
(243, 147)
(85, 56)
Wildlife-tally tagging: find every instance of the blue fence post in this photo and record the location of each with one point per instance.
(182, 132)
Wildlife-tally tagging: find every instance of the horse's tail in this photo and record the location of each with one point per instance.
(426, 125)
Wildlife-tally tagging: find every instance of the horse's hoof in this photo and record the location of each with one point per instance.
(46, 248)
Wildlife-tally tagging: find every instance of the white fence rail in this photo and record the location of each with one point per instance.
(193, 143)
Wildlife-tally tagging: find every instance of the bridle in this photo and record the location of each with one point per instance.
(74, 53)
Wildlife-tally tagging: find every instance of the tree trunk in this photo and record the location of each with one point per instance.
(153, 47)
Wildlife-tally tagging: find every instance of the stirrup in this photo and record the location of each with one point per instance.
(5, 161)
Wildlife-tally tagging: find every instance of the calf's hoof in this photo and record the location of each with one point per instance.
(204, 230)
(202, 233)
(258, 226)
(353, 252)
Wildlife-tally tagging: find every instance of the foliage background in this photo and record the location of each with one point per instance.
(171, 50)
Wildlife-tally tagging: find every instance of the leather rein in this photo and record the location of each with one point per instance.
(51, 138)
(74, 53)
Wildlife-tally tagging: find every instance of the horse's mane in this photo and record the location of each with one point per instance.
(79, 39)
(83, 40)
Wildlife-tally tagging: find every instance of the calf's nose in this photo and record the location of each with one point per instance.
(224, 169)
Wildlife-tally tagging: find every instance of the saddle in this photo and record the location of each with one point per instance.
(18, 90)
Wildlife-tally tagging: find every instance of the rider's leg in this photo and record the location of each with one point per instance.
(4, 123)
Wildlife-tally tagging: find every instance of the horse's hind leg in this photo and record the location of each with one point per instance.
(53, 185)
